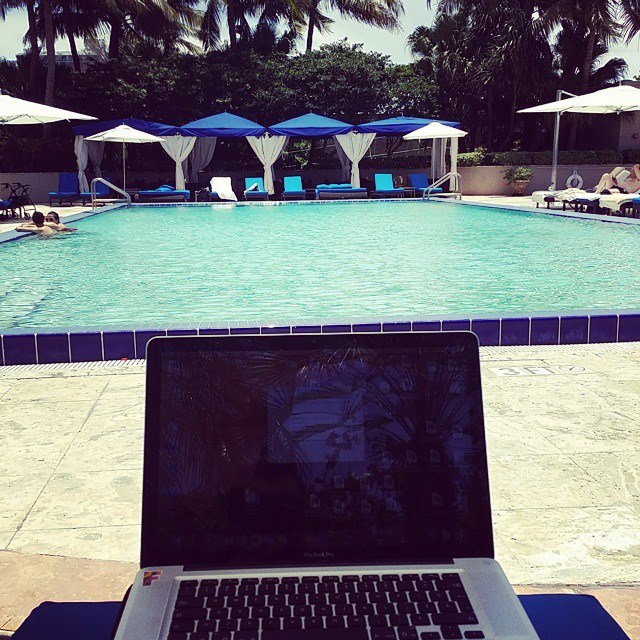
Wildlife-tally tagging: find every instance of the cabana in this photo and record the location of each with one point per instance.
(174, 142)
(349, 146)
(220, 125)
(400, 126)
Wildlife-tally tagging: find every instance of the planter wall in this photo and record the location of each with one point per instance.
(475, 180)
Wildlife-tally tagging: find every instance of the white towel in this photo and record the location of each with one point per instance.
(222, 186)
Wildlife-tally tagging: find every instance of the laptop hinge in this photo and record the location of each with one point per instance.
(382, 567)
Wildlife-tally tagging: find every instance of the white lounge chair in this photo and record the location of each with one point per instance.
(550, 197)
(221, 187)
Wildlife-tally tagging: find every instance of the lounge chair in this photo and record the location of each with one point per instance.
(342, 191)
(615, 202)
(293, 188)
(420, 183)
(102, 192)
(220, 187)
(559, 195)
(254, 189)
(164, 192)
(68, 189)
(384, 186)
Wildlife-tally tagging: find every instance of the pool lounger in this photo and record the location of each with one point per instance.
(343, 191)
(164, 192)
(385, 188)
(254, 189)
(293, 188)
(68, 190)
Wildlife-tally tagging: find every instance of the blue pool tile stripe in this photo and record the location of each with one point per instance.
(274, 330)
(456, 325)
(429, 325)
(306, 328)
(515, 331)
(23, 347)
(367, 327)
(20, 349)
(545, 330)
(336, 328)
(86, 347)
(53, 347)
(574, 329)
(629, 328)
(396, 326)
(213, 331)
(603, 328)
(487, 330)
(118, 345)
(142, 336)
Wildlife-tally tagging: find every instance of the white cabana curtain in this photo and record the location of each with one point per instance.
(200, 156)
(345, 163)
(82, 156)
(355, 145)
(453, 152)
(178, 148)
(268, 149)
(96, 153)
(438, 149)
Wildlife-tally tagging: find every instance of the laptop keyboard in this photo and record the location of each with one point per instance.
(429, 606)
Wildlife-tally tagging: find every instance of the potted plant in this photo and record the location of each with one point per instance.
(518, 178)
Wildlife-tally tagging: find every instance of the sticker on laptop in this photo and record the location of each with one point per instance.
(148, 577)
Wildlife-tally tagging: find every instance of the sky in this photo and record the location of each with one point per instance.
(393, 44)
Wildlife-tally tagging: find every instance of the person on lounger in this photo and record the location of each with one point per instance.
(52, 220)
(37, 225)
(624, 182)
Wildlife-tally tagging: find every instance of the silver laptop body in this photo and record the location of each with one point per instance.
(317, 487)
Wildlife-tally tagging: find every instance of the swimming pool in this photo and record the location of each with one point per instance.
(160, 266)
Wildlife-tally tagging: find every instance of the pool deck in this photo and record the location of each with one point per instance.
(563, 432)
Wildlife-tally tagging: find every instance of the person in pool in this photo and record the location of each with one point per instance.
(52, 220)
(37, 225)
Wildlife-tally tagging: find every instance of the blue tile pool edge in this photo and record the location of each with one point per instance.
(25, 348)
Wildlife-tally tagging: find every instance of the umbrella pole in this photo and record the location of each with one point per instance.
(556, 144)
(124, 171)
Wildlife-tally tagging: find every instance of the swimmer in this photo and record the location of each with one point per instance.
(52, 220)
(37, 225)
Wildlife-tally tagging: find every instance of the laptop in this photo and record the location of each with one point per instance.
(317, 487)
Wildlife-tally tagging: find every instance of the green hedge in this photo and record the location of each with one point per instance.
(479, 157)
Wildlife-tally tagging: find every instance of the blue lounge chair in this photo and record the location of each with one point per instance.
(344, 191)
(384, 186)
(164, 192)
(102, 191)
(293, 188)
(68, 189)
(420, 183)
(254, 194)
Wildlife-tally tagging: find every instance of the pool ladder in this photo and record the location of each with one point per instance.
(111, 186)
(456, 191)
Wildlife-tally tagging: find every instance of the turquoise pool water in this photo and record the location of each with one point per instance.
(298, 263)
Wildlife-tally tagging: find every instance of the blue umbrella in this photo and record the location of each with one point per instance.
(311, 125)
(222, 125)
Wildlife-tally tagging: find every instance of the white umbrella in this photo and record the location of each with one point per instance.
(124, 133)
(439, 131)
(435, 130)
(17, 111)
(617, 100)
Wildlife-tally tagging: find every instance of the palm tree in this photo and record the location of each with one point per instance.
(377, 13)
(269, 14)
(32, 37)
(50, 46)
(157, 22)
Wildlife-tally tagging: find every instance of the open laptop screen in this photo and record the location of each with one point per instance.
(314, 450)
